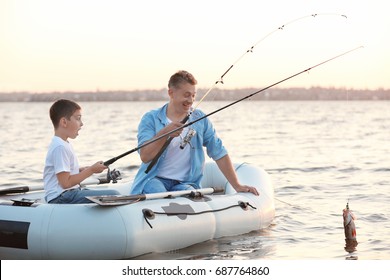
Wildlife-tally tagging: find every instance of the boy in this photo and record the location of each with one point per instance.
(62, 174)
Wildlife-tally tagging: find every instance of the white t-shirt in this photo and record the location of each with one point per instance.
(177, 162)
(60, 158)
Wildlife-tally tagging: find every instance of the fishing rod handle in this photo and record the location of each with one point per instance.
(157, 156)
(110, 161)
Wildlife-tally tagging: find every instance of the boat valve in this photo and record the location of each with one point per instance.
(244, 205)
(148, 215)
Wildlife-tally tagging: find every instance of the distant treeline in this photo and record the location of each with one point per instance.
(313, 93)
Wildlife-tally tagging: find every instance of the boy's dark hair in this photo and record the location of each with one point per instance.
(181, 76)
(62, 108)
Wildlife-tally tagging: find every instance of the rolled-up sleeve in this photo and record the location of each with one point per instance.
(146, 128)
(212, 142)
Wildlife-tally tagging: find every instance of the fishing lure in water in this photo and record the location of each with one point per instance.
(349, 230)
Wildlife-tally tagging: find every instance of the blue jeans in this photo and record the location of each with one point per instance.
(158, 184)
(77, 196)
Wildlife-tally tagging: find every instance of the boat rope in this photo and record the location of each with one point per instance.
(220, 80)
(150, 214)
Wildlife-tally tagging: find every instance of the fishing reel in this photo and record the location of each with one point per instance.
(186, 140)
(113, 175)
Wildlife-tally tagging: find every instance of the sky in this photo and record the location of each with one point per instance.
(97, 45)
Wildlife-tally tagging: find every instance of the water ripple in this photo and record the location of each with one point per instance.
(319, 155)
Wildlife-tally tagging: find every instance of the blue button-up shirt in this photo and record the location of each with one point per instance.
(155, 120)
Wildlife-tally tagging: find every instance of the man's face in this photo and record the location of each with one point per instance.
(183, 97)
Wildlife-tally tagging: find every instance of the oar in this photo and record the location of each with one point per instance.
(115, 200)
(24, 189)
(21, 189)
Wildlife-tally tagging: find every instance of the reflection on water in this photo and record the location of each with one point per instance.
(252, 245)
(350, 245)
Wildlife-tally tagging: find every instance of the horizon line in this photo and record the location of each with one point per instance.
(97, 90)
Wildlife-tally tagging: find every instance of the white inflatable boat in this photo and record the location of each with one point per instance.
(32, 229)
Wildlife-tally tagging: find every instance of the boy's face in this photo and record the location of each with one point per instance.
(73, 125)
(183, 97)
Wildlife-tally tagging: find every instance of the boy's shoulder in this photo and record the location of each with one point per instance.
(58, 142)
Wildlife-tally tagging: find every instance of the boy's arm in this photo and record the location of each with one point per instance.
(67, 181)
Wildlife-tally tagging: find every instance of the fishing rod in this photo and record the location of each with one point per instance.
(112, 160)
(220, 80)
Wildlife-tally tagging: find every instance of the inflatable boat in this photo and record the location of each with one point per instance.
(125, 226)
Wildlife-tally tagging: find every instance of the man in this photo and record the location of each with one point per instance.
(180, 167)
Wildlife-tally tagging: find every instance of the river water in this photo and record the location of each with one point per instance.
(320, 155)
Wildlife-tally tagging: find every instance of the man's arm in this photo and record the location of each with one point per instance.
(148, 152)
(226, 166)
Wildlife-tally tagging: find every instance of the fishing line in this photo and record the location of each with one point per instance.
(250, 50)
(296, 206)
(112, 160)
(220, 80)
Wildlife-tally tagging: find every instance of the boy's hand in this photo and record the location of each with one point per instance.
(98, 167)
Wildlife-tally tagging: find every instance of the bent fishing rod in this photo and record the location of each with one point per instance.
(114, 159)
(220, 80)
